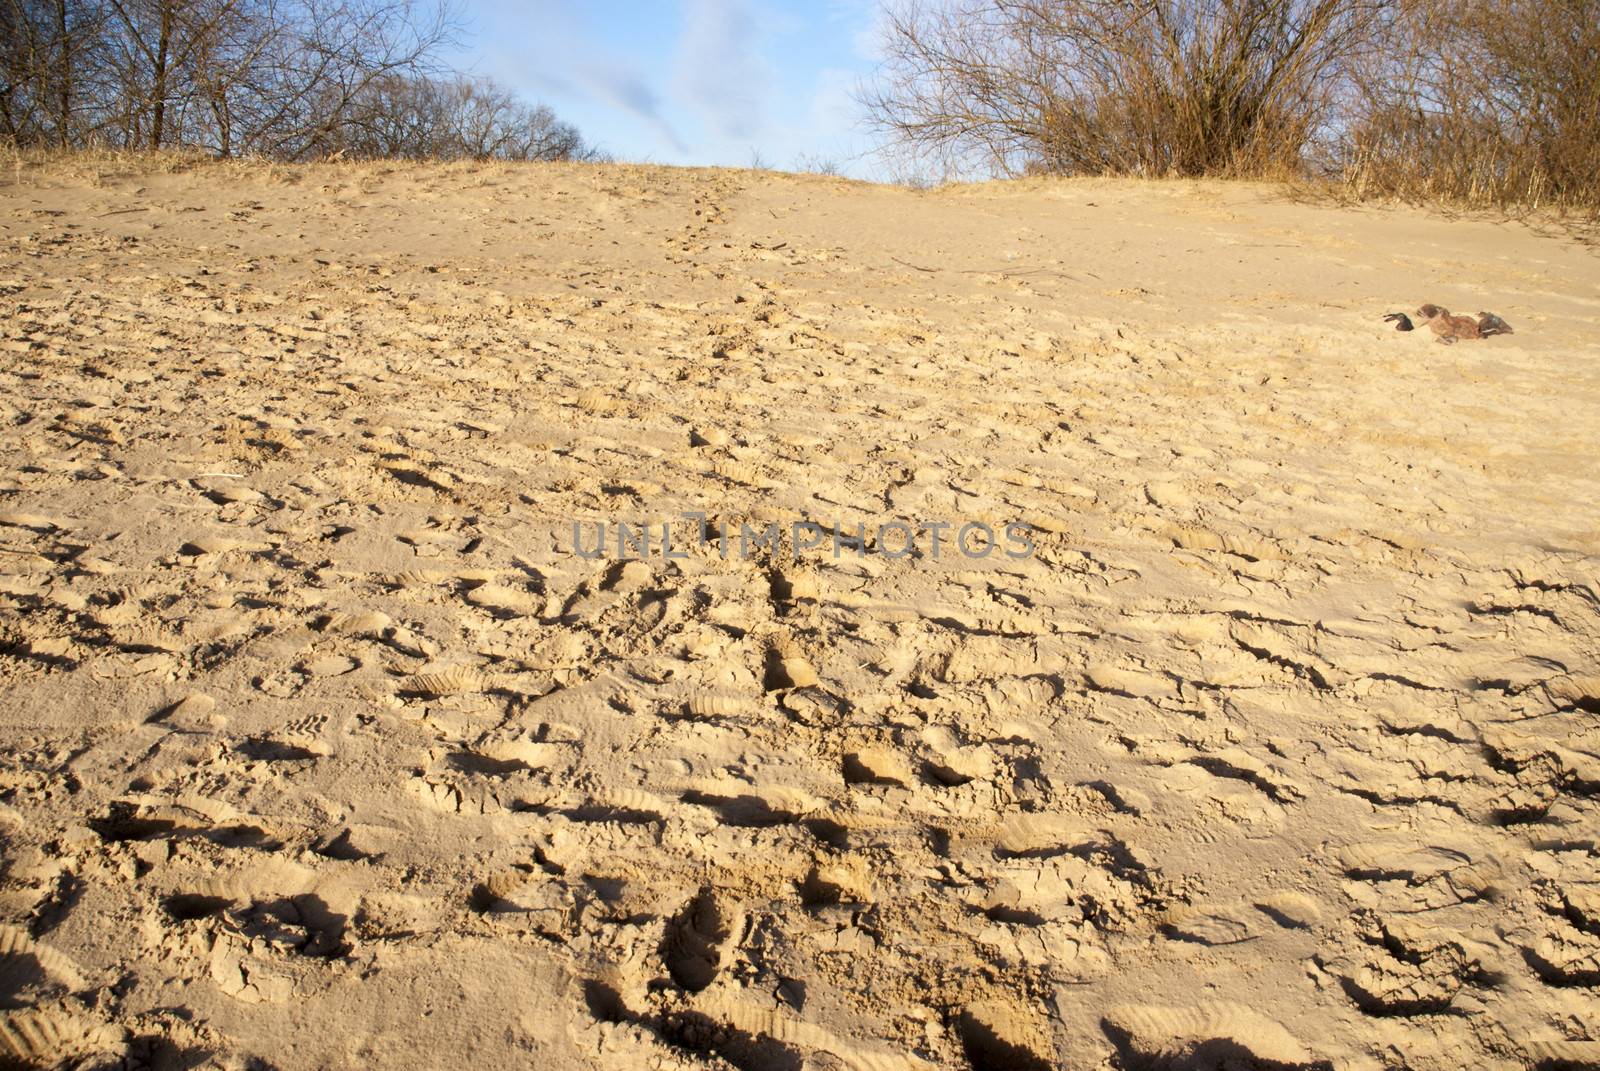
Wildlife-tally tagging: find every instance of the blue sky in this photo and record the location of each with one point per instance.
(688, 81)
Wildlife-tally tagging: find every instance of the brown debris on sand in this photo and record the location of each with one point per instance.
(1452, 328)
(1490, 324)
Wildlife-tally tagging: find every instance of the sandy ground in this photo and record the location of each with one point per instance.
(324, 748)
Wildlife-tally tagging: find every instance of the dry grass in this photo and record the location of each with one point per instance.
(97, 167)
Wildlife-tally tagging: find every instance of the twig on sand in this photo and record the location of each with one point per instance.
(1014, 273)
(1006, 273)
(121, 212)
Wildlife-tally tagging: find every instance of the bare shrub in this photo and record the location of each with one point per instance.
(1161, 87)
(814, 164)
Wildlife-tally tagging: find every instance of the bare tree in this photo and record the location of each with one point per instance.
(162, 52)
(456, 118)
(47, 48)
(289, 79)
(338, 49)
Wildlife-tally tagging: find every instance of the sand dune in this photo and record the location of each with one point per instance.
(325, 746)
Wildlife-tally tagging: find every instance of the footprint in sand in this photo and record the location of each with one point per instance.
(1204, 1036)
(694, 945)
(58, 1037)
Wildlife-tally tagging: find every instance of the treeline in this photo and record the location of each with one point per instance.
(1482, 101)
(284, 79)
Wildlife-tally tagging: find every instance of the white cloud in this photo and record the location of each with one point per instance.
(833, 103)
(721, 71)
(628, 91)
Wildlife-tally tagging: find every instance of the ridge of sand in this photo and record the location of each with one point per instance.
(321, 745)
